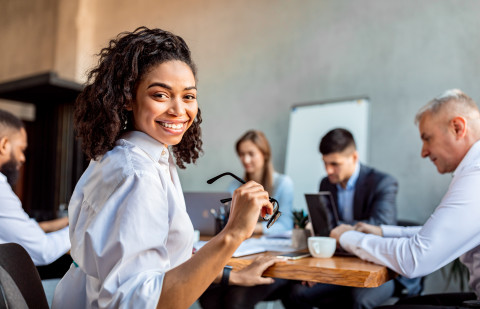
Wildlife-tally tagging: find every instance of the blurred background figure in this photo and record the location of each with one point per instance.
(254, 152)
(46, 242)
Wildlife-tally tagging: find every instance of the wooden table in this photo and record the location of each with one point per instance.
(339, 270)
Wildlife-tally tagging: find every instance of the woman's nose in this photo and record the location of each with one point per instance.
(177, 107)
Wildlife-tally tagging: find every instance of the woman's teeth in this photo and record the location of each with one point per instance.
(172, 125)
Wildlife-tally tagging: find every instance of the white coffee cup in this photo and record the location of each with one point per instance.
(322, 247)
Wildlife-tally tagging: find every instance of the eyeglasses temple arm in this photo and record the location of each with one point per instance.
(212, 180)
(225, 200)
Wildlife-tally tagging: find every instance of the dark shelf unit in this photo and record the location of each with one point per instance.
(54, 159)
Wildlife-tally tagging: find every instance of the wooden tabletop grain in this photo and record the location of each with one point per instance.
(339, 270)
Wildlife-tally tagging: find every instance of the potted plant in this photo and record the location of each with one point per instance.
(299, 233)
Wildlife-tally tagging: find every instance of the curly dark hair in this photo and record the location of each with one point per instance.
(100, 115)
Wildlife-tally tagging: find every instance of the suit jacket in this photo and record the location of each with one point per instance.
(375, 195)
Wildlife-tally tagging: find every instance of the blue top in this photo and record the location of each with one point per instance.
(345, 197)
(283, 193)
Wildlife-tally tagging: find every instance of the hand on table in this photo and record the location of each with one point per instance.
(252, 274)
(53, 225)
(368, 228)
(339, 230)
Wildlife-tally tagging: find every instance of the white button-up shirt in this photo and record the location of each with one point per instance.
(451, 231)
(16, 226)
(128, 227)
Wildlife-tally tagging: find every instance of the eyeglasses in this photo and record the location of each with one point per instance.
(270, 218)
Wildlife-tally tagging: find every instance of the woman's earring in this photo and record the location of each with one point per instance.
(124, 120)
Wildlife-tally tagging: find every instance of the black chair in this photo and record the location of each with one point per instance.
(20, 284)
(56, 269)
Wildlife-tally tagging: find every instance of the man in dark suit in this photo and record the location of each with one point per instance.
(361, 193)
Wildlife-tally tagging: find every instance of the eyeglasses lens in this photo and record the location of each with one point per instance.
(274, 218)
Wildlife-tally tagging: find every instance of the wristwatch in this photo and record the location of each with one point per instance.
(226, 275)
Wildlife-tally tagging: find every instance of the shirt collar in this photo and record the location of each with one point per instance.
(352, 180)
(472, 154)
(3, 177)
(156, 150)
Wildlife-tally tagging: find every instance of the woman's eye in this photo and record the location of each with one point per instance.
(190, 97)
(159, 95)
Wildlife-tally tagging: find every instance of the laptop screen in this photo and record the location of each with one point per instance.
(322, 212)
(199, 205)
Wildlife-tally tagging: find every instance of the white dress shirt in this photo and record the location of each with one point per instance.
(451, 231)
(128, 227)
(16, 226)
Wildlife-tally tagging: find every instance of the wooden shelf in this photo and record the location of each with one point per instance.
(54, 161)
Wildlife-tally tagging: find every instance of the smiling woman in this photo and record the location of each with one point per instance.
(165, 104)
(131, 236)
(126, 77)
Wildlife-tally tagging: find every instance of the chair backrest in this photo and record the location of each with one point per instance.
(20, 268)
(10, 295)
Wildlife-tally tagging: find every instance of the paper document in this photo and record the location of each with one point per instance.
(257, 245)
(284, 235)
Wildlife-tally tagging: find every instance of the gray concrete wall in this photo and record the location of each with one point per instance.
(258, 58)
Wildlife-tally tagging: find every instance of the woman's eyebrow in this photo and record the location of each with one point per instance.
(169, 87)
(160, 85)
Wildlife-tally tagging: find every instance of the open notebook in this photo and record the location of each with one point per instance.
(257, 245)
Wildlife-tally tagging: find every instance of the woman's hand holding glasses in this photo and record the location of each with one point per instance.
(250, 199)
(248, 202)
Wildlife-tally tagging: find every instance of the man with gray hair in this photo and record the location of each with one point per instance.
(450, 131)
(46, 241)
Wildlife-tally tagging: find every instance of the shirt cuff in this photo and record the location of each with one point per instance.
(350, 239)
(62, 239)
(391, 230)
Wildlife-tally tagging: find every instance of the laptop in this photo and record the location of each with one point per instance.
(322, 212)
(323, 215)
(199, 205)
